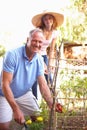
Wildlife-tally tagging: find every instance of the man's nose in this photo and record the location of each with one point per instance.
(38, 43)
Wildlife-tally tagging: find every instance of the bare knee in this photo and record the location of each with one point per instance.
(5, 126)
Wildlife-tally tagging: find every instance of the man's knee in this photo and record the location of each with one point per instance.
(5, 126)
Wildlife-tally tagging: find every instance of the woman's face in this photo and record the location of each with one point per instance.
(48, 20)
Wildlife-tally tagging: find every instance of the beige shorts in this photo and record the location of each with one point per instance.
(28, 104)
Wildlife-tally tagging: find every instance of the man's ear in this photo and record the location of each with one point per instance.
(27, 39)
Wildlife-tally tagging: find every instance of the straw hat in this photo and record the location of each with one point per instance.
(36, 20)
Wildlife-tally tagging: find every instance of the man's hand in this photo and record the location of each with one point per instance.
(18, 116)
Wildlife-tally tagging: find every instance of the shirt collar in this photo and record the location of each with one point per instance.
(25, 56)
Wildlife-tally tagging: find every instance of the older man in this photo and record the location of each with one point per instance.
(21, 68)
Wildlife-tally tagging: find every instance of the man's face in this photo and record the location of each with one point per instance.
(36, 42)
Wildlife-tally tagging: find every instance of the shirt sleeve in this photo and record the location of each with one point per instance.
(9, 62)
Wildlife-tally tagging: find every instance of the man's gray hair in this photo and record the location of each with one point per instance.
(34, 31)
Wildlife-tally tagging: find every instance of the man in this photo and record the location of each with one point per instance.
(21, 68)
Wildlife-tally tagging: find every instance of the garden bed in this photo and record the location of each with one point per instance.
(63, 123)
(72, 122)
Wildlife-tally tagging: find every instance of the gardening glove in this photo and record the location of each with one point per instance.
(58, 108)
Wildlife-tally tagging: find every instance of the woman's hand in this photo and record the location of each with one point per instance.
(45, 69)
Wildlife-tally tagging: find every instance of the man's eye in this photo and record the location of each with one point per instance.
(40, 42)
(35, 41)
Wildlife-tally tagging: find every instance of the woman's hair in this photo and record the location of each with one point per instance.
(42, 26)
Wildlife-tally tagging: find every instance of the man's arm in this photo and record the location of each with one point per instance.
(45, 91)
(6, 80)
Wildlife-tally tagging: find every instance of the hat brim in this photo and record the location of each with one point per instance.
(36, 20)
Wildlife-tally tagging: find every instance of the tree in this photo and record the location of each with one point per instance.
(74, 28)
(2, 50)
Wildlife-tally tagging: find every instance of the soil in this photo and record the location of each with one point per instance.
(64, 122)
(72, 122)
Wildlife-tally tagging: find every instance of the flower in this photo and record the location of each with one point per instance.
(28, 122)
(40, 119)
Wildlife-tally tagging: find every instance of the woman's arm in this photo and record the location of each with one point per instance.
(53, 44)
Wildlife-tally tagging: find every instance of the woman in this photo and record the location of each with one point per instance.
(48, 22)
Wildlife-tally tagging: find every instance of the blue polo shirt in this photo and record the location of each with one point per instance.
(24, 72)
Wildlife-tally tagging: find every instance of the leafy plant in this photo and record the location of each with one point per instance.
(73, 88)
(2, 50)
(44, 110)
(36, 125)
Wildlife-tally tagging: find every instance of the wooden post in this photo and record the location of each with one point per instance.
(52, 115)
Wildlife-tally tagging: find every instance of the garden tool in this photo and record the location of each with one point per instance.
(25, 127)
